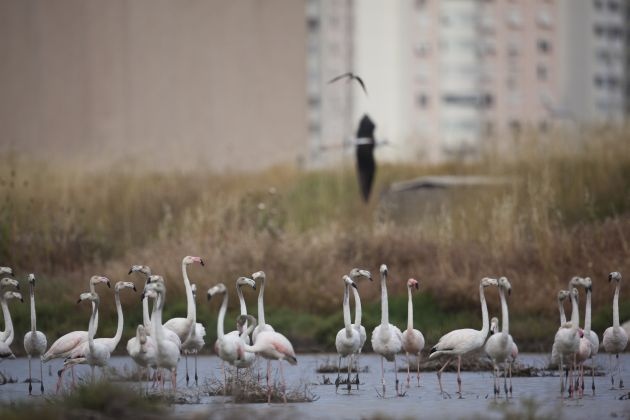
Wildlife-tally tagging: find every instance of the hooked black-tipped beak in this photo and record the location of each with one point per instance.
(17, 286)
(134, 288)
(109, 284)
(417, 286)
(509, 292)
(609, 278)
(130, 271)
(142, 296)
(589, 288)
(201, 262)
(22, 300)
(209, 297)
(354, 285)
(254, 286)
(78, 301)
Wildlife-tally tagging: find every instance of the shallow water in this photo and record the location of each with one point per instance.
(425, 401)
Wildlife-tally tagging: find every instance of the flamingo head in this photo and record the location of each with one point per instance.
(152, 289)
(575, 294)
(505, 284)
(243, 320)
(383, 270)
(92, 297)
(563, 294)
(13, 295)
(487, 281)
(348, 281)
(245, 281)
(413, 283)
(215, 290)
(31, 279)
(355, 273)
(94, 280)
(494, 325)
(190, 260)
(154, 278)
(9, 282)
(6, 270)
(259, 275)
(615, 275)
(144, 269)
(124, 285)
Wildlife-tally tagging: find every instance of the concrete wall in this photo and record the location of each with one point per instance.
(176, 84)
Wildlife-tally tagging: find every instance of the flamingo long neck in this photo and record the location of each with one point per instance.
(409, 311)
(615, 307)
(8, 323)
(357, 307)
(92, 325)
(587, 313)
(484, 312)
(261, 305)
(384, 305)
(241, 299)
(189, 295)
(504, 314)
(222, 311)
(93, 290)
(346, 311)
(119, 327)
(146, 319)
(33, 316)
(563, 317)
(575, 313)
(156, 320)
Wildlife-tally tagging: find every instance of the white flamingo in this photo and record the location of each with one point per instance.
(567, 341)
(615, 338)
(499, 346)
(5, 350)
(242, 330)
(80, 355)
(386, 338)
(272, 346)
(262, 325)
(494, 329)
(98, 352)
(34, 341)
(6, 270)
(355, 275)
(195, 341)
(348, 340)
(8, 325)
(589, 334)
(463, 341)
(65, 344)
(168, 334)
(412, 339)
(142, 349)
(167, 354)
(183, 326)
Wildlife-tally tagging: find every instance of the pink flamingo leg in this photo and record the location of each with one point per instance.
(439, 374)
(459, 377)
(284, 383)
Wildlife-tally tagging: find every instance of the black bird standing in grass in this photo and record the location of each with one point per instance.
(366, 165)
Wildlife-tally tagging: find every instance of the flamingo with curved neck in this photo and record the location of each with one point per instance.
(567, 341)
(348, 340)
(34, 341)
(5, 350)
(386, 338)
(242, 330)
(615, 338)
(262, 325)
(8, 324)
(463, 341)
(183, 326)
(412, 339)
(499, 346)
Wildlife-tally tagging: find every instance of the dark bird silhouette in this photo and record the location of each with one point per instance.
(366, 165)
(350, 76)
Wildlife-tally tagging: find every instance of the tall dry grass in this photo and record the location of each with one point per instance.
(563, 212)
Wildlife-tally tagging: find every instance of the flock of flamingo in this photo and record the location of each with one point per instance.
(159, 344)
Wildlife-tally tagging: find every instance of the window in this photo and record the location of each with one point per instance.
(422, 100)
(544, 46)
(312, 23)
(515, 126)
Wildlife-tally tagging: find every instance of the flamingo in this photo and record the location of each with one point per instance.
(34, 341)
(183, 326)
(272, 346)
(589, 334)
(6, 270)
(81, 354)
(355, 274)
(8, 325)
(386, 338)
(168, 352)
(262, 325)
(98, 352)
(195, 341)
(412, 339)
(499, 346)
(142, 349)
(463, 341)
(5, 350)
(242, 330)
(168, 334)
(65, 344)
(567, 340)
(348, 340)
(494, 328)
(615, 339)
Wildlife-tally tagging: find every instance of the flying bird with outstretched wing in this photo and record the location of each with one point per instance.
(350, 76)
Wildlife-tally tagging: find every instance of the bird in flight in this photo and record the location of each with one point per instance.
(350, 76)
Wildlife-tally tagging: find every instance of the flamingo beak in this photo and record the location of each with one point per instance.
(355, 286)
(417, 285)
(78, 301)
(201, 262)
(130, 271)
(109, 284)
(254, 286)
(134, 288)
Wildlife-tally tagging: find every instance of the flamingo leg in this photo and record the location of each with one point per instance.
(356, 363)
(41, 376)
(268, 385)
(418, 365)
(383, 375)
(30, 377)
(510, 367)
(398, 392)
(561, 377)
(224, 378)
(349, 369)
(505, 373)
(459, 377)
(620, 372)
(174, 378)
(196, 377)
(408, 374)
(494, 374)
(338, 380)
(186, 359)
(284, 383)
(439, 373)
(59, 380)
(593, 375)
